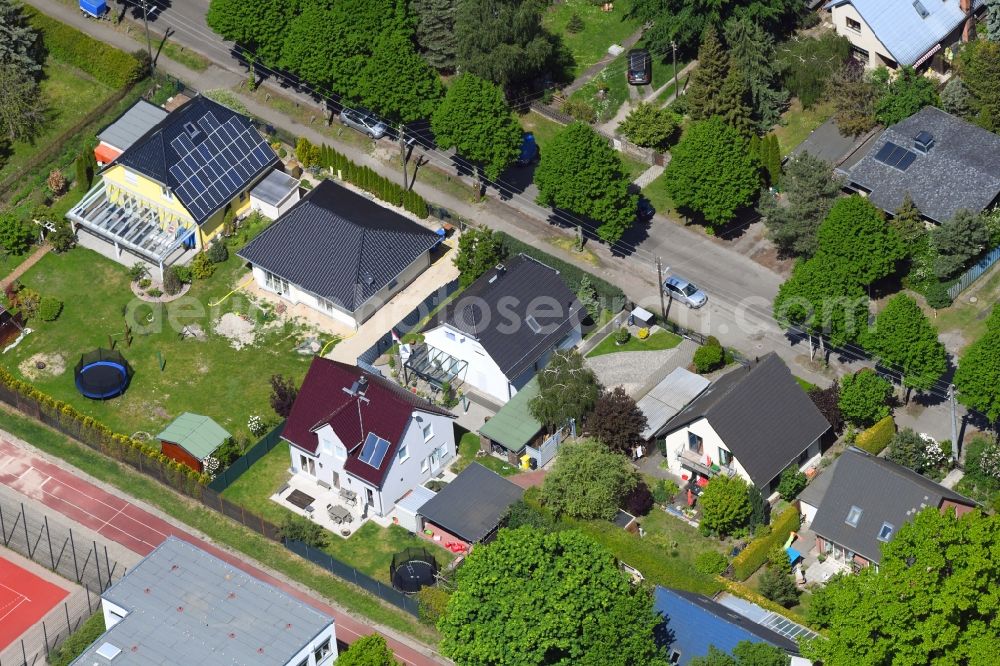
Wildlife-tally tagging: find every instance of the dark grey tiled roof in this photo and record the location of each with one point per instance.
(962, 170)
(762, 414)
(472, 504)
(204, 152)
(828, 143)
(339, 245)
(186, 606)
(884, 491)
(495, 310)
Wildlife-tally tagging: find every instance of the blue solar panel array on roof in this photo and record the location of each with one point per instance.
(895, 156)
(216, 161)
(374, 450)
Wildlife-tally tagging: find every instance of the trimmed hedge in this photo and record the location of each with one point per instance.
(612, 297)
(105, 63)
(144, 457)
(363, 177)
(755, 555)
(875, 439)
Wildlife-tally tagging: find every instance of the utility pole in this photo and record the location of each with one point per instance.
(659, 284)
(954, 423)
(673, 45)
(149, 44)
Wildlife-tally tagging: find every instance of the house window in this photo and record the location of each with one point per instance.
(853, 516)
(443, 452)
(425, 464)
(675, 657)
(403, 454)
(885, 533)
(131, 178)
(324, 304)
(695, 443)
(276, 284)
(449, 335)
(428, 431)
(304, 662)
(340, 451)
(853, 25)
(725, 457)
(804, 457)
(322, 651)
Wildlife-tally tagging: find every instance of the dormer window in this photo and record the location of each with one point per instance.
(885, 533)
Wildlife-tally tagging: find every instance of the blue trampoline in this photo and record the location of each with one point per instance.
(102, 374)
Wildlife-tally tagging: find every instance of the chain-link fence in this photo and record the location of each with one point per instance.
(56, 547)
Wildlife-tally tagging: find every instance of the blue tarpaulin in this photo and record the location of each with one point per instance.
(793, 555)
(93, 7)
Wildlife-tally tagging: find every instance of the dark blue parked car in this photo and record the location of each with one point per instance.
(529, 150)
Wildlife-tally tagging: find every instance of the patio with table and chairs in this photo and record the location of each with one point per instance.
(336, 509)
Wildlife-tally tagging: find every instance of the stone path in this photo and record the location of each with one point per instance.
(648, 176)
(630, 370)
(23, 267)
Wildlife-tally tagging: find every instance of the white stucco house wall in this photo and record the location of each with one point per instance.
(752, 422)
(351, 429)
(339, 253)
(500, 331)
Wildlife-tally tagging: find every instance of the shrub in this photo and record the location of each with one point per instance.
(709, 357)
(297, 528)
(105, 63)
(137, 271)
(622, 335)
(154, 293)
(937, 295)
(183, 273)
(755, 554)
(201, 267)
(575, 24)
(217, 252)
(144, 283)
(725, 505)
(711, 563)
(49, 308)
(431, 602)
(643, 333)
(56, 182)
(664, 490)
(777, 584)
(15, 234)
(875, 439)
(77, 642)
(640, 500)
(171, 283)
(792, 483)
(864, 397)
(579, 110)
(62, 239)
(303, 151)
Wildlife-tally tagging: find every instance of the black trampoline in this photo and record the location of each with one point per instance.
(102, 374)
(413, 569)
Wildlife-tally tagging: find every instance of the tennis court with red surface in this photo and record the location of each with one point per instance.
(24, 600)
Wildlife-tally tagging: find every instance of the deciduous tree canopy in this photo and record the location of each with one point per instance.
(617, 421)
(856, 237)
(567, 389)
(978, 374)
(548, 598)
(905, 340)
(864, 397)
(580, 172)
(588, 480)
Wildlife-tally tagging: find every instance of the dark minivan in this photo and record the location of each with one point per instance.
(640, 67)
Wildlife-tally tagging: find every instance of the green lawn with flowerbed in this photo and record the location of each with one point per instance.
(206, 376)
(600, 29)
(655, 342)
(467, 448)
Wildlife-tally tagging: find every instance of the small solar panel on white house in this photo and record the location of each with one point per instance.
(211, 173)
(374, 450)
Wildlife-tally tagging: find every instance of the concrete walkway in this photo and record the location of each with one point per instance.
(648, 176)
(687, 69)
(595, 69)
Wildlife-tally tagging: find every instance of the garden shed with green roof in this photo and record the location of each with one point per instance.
(513, 428)
(191, 438)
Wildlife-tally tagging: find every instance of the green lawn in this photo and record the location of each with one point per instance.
(254, 488)
(797, 123)
(655, 342)
(806, 386)
(600, 29)
(369, 549)
(656, 192)
(543, 128)
(68, 95)
(467, 448)
(214, 525)
(612, 80)
(970, 318)
(203, 376)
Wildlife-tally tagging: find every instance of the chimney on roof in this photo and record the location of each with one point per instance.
(358, 388)
(500, 270)
(969, 29)
(923, 142)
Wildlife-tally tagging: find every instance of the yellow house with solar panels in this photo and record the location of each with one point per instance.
(166, 196)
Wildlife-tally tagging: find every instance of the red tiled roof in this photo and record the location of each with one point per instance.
(322, 401)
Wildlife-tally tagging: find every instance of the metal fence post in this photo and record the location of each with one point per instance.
(72, 548)
(52, 556)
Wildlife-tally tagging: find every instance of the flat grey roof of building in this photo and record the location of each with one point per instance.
(186, 606)
(139, 119)
(275, 188)
(669, 397)
(962, 169)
